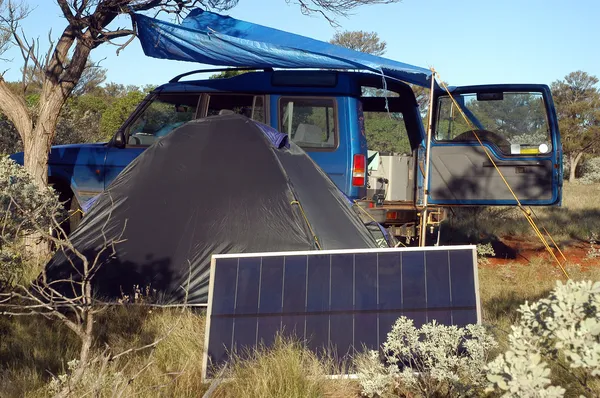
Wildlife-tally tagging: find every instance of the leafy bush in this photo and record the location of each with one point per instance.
(24, 207)
(594, 251)
(484, 251)
(591, 171)
(435, 360)
(562, 330)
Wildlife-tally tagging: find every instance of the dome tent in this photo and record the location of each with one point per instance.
(223, 184)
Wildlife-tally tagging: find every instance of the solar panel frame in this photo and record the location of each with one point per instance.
(267, 255)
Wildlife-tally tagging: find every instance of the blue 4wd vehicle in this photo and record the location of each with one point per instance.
(324, 112)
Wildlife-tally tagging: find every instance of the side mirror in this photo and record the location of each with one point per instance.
(120, 139)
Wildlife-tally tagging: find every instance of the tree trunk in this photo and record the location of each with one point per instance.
(37, 149)
(573, 162)
(37, 145)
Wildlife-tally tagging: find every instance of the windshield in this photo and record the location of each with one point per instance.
(514, 122)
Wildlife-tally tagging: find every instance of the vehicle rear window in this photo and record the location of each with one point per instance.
(309, 122)
(514, 122)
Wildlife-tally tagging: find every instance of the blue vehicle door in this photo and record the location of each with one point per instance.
(157, 115)
(485, 132)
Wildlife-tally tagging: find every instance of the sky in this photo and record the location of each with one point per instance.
(466, 41)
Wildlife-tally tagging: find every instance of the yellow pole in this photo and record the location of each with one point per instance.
(427, 161)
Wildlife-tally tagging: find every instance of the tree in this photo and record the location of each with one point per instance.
(91, 78)
(358, 40)
(228, 73)
(9, 137)
(577, 100)
(116, 114)
(90, 23)
(385, 131)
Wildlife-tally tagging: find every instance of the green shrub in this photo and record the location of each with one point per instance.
(435, 360)
(24, 208)
(561, 331)
(591, 171)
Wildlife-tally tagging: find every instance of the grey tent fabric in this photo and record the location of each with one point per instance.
(223, 184)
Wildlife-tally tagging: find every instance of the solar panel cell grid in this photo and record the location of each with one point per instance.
(335, 299)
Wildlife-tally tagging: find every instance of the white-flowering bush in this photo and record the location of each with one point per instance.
(594, 250)
(433, 360)
(485, 251)
(22, 202)
(94, 380)
(591, 171)
(24, 207)
(11, 264)
(375, 379)
(563, 329)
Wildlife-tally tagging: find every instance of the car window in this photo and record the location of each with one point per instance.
(251, 106)
(163, 115)
(515, 122)
(309, 122)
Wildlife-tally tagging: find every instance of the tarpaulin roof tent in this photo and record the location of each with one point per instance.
(215, 39)
(223, 184)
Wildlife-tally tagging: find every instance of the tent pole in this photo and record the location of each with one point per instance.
(423, 231)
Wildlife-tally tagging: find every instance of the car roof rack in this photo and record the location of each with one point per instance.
(178, 77)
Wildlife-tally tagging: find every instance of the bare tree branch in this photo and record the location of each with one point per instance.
(326, 8)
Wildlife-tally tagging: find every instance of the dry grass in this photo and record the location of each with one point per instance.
(504, 288)
(575, 220)
(31, 350)
(287, 369)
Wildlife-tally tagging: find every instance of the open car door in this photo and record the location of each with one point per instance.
(517, 125)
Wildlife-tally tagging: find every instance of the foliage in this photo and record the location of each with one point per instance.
(116, 113)
(35, 355)
(10, 141)
(519, 118)
(23, 204)
(82, 116)
(91, 78)
(591, 170)
(386, 133)
(435, 360)
(577, 99)
(562, 329)
(79, 119)
(594, 251)
(32, 349)
(228, 73)
(484, 251)
(366, 42)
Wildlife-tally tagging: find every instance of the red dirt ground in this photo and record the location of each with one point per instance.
(511, 249)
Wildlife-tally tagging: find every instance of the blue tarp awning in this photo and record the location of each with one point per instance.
(215, 39)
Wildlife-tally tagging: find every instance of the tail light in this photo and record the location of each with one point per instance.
(359, 171)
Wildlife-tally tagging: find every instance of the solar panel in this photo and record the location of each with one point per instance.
(335, 299)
